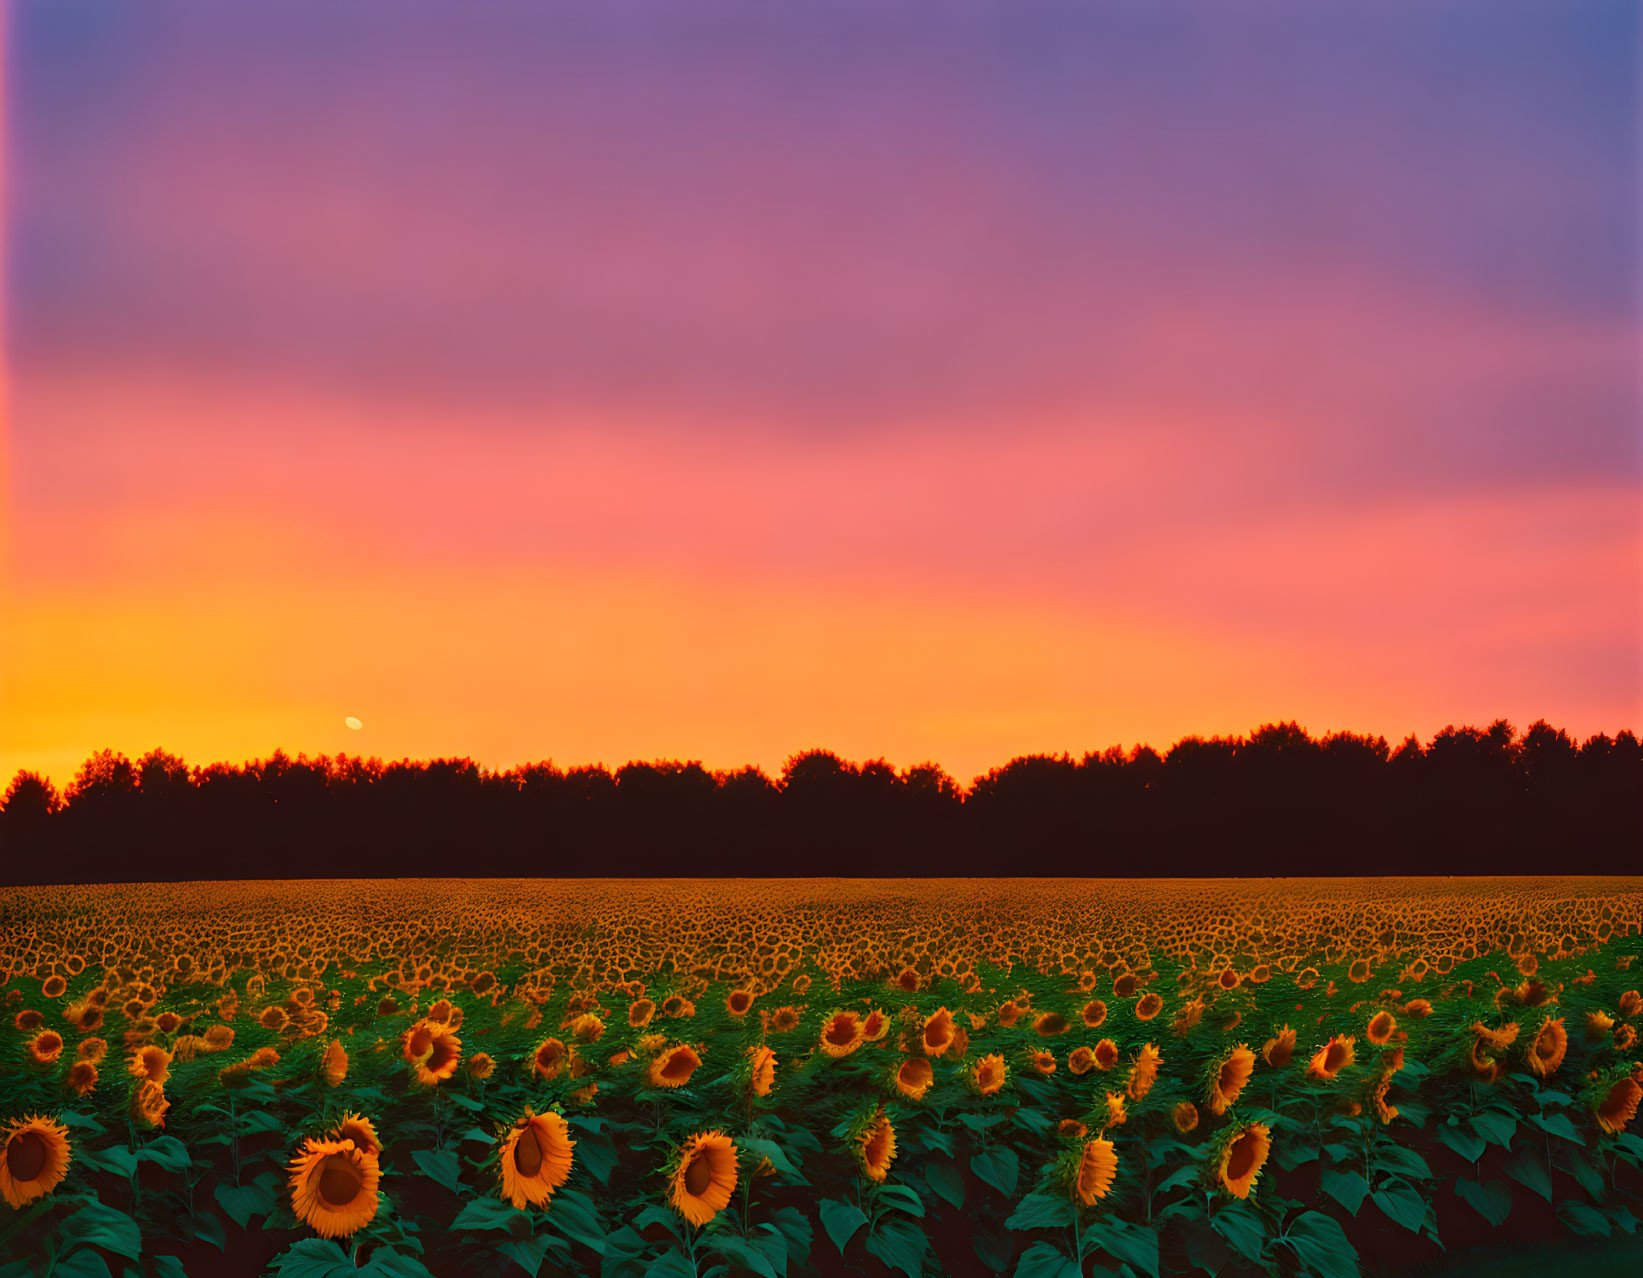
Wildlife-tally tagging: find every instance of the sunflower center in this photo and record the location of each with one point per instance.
(527, 1152)
(875, 1146)
(841, 1031)
(698, 1176)
(678, 1067)
(339, 1180)
(421, 1042)
(26, 1155)
(443, 1054)
(1335, 1057)
(1242, 1161)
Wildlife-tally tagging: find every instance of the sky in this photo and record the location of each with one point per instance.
(930, 381)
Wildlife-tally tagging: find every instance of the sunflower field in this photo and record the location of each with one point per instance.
(1041, 1078)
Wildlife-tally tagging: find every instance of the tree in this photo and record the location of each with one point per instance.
(30, 795)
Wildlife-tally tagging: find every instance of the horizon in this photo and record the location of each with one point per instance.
(939, 383)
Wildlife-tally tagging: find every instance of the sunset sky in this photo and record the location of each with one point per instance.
(934, 381)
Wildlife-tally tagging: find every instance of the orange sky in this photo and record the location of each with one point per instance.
(927, 392)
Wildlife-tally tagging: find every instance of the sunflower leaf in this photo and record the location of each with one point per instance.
(313, 1258)
(167, 1152)
(900, 1244)
(1584, 1220)
(796, 1230)
(1133, 1244)
(440, 1165)
(71, 1119)
(1042, 1211)
(1402, 1203)
(84, 1264)
(528, 1253)
(738, 1249)
(1491, 1200)
(901, 1196)
(1557, 1125)
(998, 1167)
(1347, 1188)
(1495, 1127)
(1528, 1169)
(841, 1220)
(768, 1149)
(208, 1227)
(245, 1201)
(572, 1214)
(946, 1179)
(1042, 1260)
(486, 1213)
(1322, 1245)
(1404, 1161)
(1241, 1227)
(1465, 1143)
(94, 1224)
(388, 1263)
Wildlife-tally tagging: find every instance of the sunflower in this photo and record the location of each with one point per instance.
(1184, 1116)
(702, 1176)
(442, 1059)
(961, 1043)
(782, 1020)
(761, 1070)
(587, 1028)
(1010, 1013)
(167, 1022)
(1384, 1110)
(549, 1059)
(988, 1075)
(875, 1027)
(333, 1066)
(1280, 1048)
(35, 1159)
(1618, 1105)
(480, 1065)
(738, 1002)
(1093, 1014)
(1116, 1114)
(220, 1037)
(361, 1130)
(1080, 1060)
(1143, 1072)
(1097, 1168)
(28, 1020)
(1242, 1155)
(914, 1077)
(874, 1145)
(937, 1035)
(54, 987)
(1105, 1054)
(1227, 1078)
(334, 1187)
(673, 1067)
(841, 1034)
(1598, 1025)
(1546, 1052)
(534, 1158)
(45, 1047)
(1124, 986)
(1148, 1006)
(1050, 1024)
(1631, 1003)
(1071, 1129)
(1334, 1056)
(82, 1078)
(148, 1105)
(1382, 1025)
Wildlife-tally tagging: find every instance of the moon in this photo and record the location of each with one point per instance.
(353, 723)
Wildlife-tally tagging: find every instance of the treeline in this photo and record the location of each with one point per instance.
(1277, 802)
